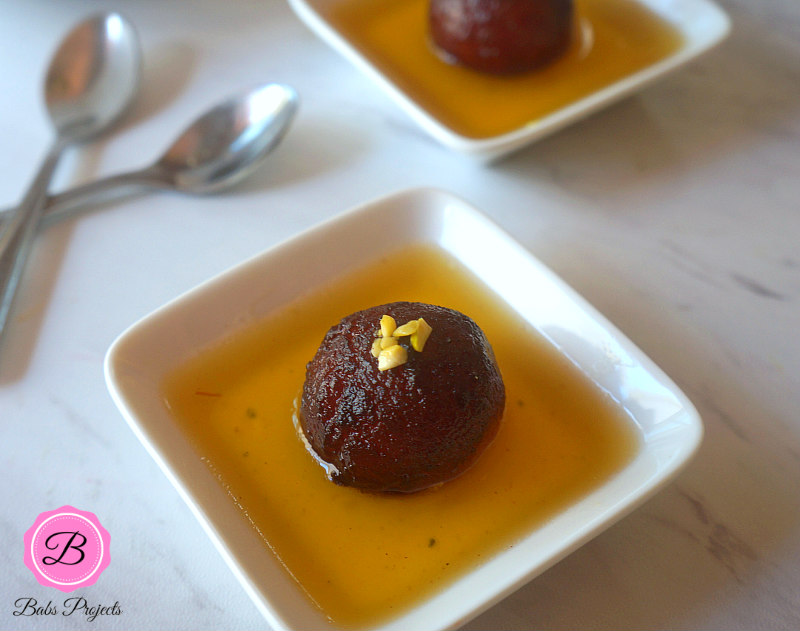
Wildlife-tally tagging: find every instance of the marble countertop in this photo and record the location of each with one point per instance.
(674, 212)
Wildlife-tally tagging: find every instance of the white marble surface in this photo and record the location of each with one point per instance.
(675, 212)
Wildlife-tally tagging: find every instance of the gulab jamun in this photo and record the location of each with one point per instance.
(401, 409)
(501, 36)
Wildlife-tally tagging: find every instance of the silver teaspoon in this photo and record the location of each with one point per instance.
(91, 81)
(216, 151)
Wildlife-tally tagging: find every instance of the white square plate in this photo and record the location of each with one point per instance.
(140, 359)
(701, 23)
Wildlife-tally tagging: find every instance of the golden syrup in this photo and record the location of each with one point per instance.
(363, 557)
(615, 39)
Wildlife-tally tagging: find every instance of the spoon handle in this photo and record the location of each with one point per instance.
(17, 236)
(97, 191)
(66, 203)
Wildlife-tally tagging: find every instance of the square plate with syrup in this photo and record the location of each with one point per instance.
(208, 382)
(618, 47)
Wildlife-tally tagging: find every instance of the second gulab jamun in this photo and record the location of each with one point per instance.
(401, 397)
(501, 36)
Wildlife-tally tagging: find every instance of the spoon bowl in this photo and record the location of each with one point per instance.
(227, 143)
(94, 75)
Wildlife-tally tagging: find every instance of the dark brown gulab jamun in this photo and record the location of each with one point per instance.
(401, 410)
(501, 36)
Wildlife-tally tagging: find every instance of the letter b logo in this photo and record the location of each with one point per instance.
(67, 548)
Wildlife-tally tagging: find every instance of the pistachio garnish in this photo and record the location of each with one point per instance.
(386, 347)
(421, 335)
(388, 325)
(407, 329)
(391, 357)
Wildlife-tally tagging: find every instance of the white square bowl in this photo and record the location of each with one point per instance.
(701, 23)
(143, 356)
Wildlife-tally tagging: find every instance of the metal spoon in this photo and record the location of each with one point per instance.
(219, 149)
(91, 81)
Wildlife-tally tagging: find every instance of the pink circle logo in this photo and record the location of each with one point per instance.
(67, 548)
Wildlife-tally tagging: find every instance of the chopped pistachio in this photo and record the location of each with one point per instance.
(386, 346)
(407, 329)
(391, 357)
(421, 335)
(388, 325)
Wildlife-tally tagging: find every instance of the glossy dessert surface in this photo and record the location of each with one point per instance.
(389, 411)
(500, 37)
(361, 557)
